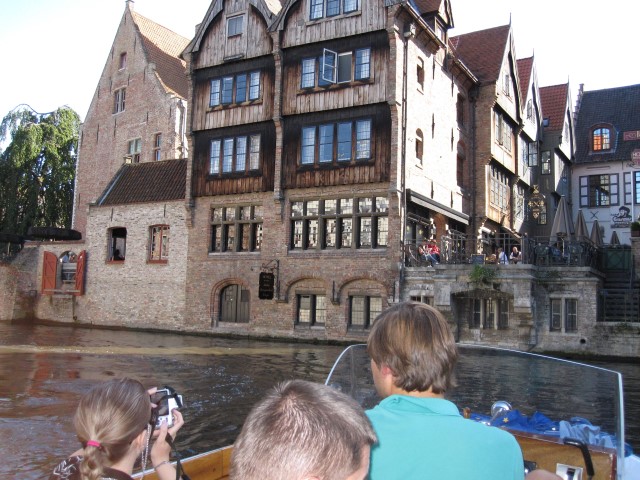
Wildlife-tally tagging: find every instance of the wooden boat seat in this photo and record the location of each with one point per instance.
(210, 466)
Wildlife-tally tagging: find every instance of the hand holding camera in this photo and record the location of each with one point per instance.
(166, 400)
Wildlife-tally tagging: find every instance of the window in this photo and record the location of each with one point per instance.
(422, 299)
(460, 110)
(636, 188)
(311, 310)
(234, 25)
(339, 142)
(489, 314)
(234, 89)
(236, 229)
(229, 155)
(123, 61)
(330, 8)
(159, 243)
(419, 146)
(599, 190)
(546, 162)
(529, 109)
(340, 223)
(503, 132)
(336, 67)
(564, 315)
(506, 84)
(157, 144)
(601, 139)
(134, 149)
(363, 310)
(117, 247)
(420, 74)
(530, 153)
(119, 100)
(499, 193)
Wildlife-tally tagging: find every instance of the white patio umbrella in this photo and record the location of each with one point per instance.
(596, 234)
(581, 232)
(614, 239)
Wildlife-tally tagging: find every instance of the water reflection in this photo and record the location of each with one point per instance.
(44, 371)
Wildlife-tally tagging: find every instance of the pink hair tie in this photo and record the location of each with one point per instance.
(93, 443)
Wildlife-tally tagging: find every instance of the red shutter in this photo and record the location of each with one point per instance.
(80, 268)
(49, 273)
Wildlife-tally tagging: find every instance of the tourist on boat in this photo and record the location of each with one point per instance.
(113, 424)
(420, 434)
(303, 430)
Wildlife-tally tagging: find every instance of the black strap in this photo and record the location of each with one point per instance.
(179, 470)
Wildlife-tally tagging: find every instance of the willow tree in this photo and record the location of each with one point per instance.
(37, 168)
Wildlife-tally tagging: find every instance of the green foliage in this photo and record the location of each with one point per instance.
(481, 274)
(37, 168)
(635, 226)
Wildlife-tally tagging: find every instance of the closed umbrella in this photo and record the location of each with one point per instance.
(562, 223)
(582, 232)
(614, 239)
(596, 234)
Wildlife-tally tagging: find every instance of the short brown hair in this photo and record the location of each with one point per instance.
(302, 429)
(414, 340)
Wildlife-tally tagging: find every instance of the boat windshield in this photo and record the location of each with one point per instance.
(578, 400)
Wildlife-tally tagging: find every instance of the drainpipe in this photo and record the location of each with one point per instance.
(473, 96)
(409, 32)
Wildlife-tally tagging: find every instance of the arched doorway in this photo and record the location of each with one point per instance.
(234, 304)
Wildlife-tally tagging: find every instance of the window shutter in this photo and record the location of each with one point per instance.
(49, 273)
(80, 270)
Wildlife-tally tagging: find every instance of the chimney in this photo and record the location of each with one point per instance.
(129, 4)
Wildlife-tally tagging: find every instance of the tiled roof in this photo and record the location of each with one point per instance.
(146, 182)
(482, 51)
(553, 101)
(163, 48)
(617, 107)
(524, 72)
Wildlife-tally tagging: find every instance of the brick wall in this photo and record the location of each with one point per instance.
(104, 136)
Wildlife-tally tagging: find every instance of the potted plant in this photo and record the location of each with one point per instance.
(482, 275)
(635, 229)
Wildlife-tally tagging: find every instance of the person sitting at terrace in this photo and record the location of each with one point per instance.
(420, 434)
(303, 430)
(503, 259)
(432, 253)
(113, 424)
(515, 256)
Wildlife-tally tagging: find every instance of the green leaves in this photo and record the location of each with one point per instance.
(37, 168)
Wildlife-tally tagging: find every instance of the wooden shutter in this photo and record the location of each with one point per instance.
(80, 270)
(49, 273)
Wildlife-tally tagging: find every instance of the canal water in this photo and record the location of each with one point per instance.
(44, 370)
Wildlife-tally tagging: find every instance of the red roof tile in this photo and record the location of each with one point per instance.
(554, 105)
(147, 182)
(482, 51)
(163, 48)
(524, 73)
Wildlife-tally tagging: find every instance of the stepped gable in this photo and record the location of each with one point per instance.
(618, 107)
(147, 182)
(553, 101)
(524, 73)
(163, 48)
(482, 51)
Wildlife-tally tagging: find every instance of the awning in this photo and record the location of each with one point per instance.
(437, 207)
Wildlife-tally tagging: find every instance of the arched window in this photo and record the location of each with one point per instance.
(234, 304)
(601, 139)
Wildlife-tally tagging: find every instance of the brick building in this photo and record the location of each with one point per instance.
(326, 139)
(138, 112)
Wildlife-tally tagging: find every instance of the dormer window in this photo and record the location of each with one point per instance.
(123, 61)
(330, 8)
(601, 139)
(235, 25)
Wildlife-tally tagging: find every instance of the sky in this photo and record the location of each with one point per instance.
(52, 52)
